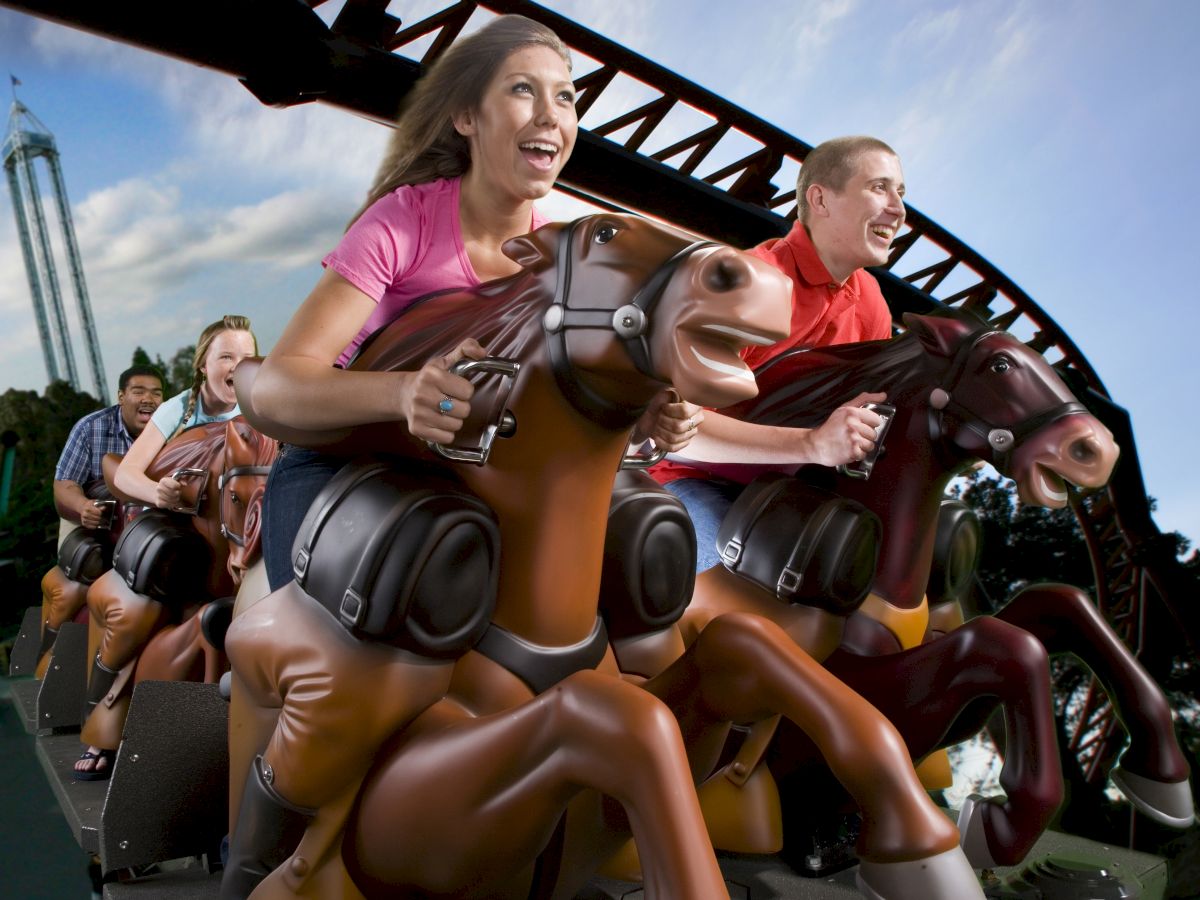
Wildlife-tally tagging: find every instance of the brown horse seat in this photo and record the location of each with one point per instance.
(409, 558)
(85, 554)
(161, 557)
(649, 557)
(804, 544)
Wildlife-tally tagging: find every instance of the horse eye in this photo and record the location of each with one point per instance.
(605, 233)
(1000, 365)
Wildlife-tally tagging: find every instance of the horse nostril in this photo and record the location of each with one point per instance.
(1084, 450)
(726, 272)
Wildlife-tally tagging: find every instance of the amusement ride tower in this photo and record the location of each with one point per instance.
(26, 140)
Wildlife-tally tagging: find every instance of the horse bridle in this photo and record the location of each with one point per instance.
(226, 477)
(1003, 439)
(630, 323)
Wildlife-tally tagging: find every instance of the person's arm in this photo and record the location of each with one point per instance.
(131, 478)
(846, 436)
(298, 385)
(668, 421)
(71, 503)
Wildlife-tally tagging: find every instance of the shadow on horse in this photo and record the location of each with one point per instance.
(521, 759)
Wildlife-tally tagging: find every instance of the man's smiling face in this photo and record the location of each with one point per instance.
(138, 401)
(861, 220)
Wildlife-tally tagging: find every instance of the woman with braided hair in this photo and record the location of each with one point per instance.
(222, 345)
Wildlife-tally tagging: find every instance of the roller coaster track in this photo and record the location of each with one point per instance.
(654, 142)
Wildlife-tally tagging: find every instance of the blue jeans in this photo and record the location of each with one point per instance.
(707, 501)
(295, 480)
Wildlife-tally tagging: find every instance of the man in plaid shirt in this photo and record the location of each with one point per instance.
(78, 478)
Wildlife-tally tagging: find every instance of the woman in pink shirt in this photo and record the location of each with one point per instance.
(484, 133)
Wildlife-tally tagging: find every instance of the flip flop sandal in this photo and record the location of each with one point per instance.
(96, 774)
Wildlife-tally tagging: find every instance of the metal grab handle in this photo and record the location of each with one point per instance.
(505, 424)
(194, 509)
(642, 460)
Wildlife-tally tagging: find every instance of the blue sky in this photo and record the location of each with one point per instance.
(1059, 140)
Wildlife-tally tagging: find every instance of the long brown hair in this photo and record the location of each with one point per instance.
(207, 336)
(425, 145)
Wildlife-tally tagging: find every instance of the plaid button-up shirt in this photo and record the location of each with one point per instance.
(94, 435)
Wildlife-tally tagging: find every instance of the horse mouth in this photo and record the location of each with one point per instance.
(1049, 487)
(717, 347)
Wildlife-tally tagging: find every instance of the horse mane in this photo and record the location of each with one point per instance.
(191, 449)
(801, 388)
(503, 315)
(265, 448)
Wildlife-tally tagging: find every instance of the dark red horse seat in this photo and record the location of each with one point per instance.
(957, 544)
(649, 557)
(407, 557)
(804, 544)
(162, 557)
(85, 554)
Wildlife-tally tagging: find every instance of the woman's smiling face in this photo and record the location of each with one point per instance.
(524, 129)
(227, 350)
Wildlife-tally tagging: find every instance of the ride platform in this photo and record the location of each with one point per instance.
(165, 809)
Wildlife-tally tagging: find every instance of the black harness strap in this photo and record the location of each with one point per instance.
(543, 667)
(630, 323)
(227, 476)
(1003, 439)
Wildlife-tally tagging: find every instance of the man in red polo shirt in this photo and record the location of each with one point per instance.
(849, 208)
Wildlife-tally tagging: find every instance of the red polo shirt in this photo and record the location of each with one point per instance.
(823, 313)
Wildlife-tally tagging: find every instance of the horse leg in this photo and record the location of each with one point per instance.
(174, 653)
(744, 668)
(925, 691)
(1152, 771)
(62, 599)
(482, 797)
(335, 700)
(125, 621)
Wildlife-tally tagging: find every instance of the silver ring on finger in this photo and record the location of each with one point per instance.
(445, 405)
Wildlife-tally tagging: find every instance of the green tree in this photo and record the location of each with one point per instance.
(28, 531)
(179, 371)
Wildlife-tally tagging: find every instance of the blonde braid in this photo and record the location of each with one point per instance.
(193, 398)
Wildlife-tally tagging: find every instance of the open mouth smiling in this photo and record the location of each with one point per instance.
(540, 154)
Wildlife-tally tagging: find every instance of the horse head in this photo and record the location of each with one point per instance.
(637, 305)
(1000, 401)
(242, 483)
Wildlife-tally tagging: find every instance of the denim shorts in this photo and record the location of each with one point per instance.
(295, 480)
(706, 500)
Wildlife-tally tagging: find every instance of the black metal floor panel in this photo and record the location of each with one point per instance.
(82, 802)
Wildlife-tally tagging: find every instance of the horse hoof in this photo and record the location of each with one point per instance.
(973, 835)
(1169, 803)
(943, 876)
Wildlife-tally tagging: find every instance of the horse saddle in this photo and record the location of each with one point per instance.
(161, 556)
(85, 554)
(957, 545)
(407, 557)
(649, 566)
(802, 543)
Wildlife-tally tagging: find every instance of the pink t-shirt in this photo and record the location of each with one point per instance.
(406, 245)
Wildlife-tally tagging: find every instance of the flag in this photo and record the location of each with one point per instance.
(15, 80)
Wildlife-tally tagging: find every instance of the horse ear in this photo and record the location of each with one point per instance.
(529, 250)
(234, 439)
(939, 334)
